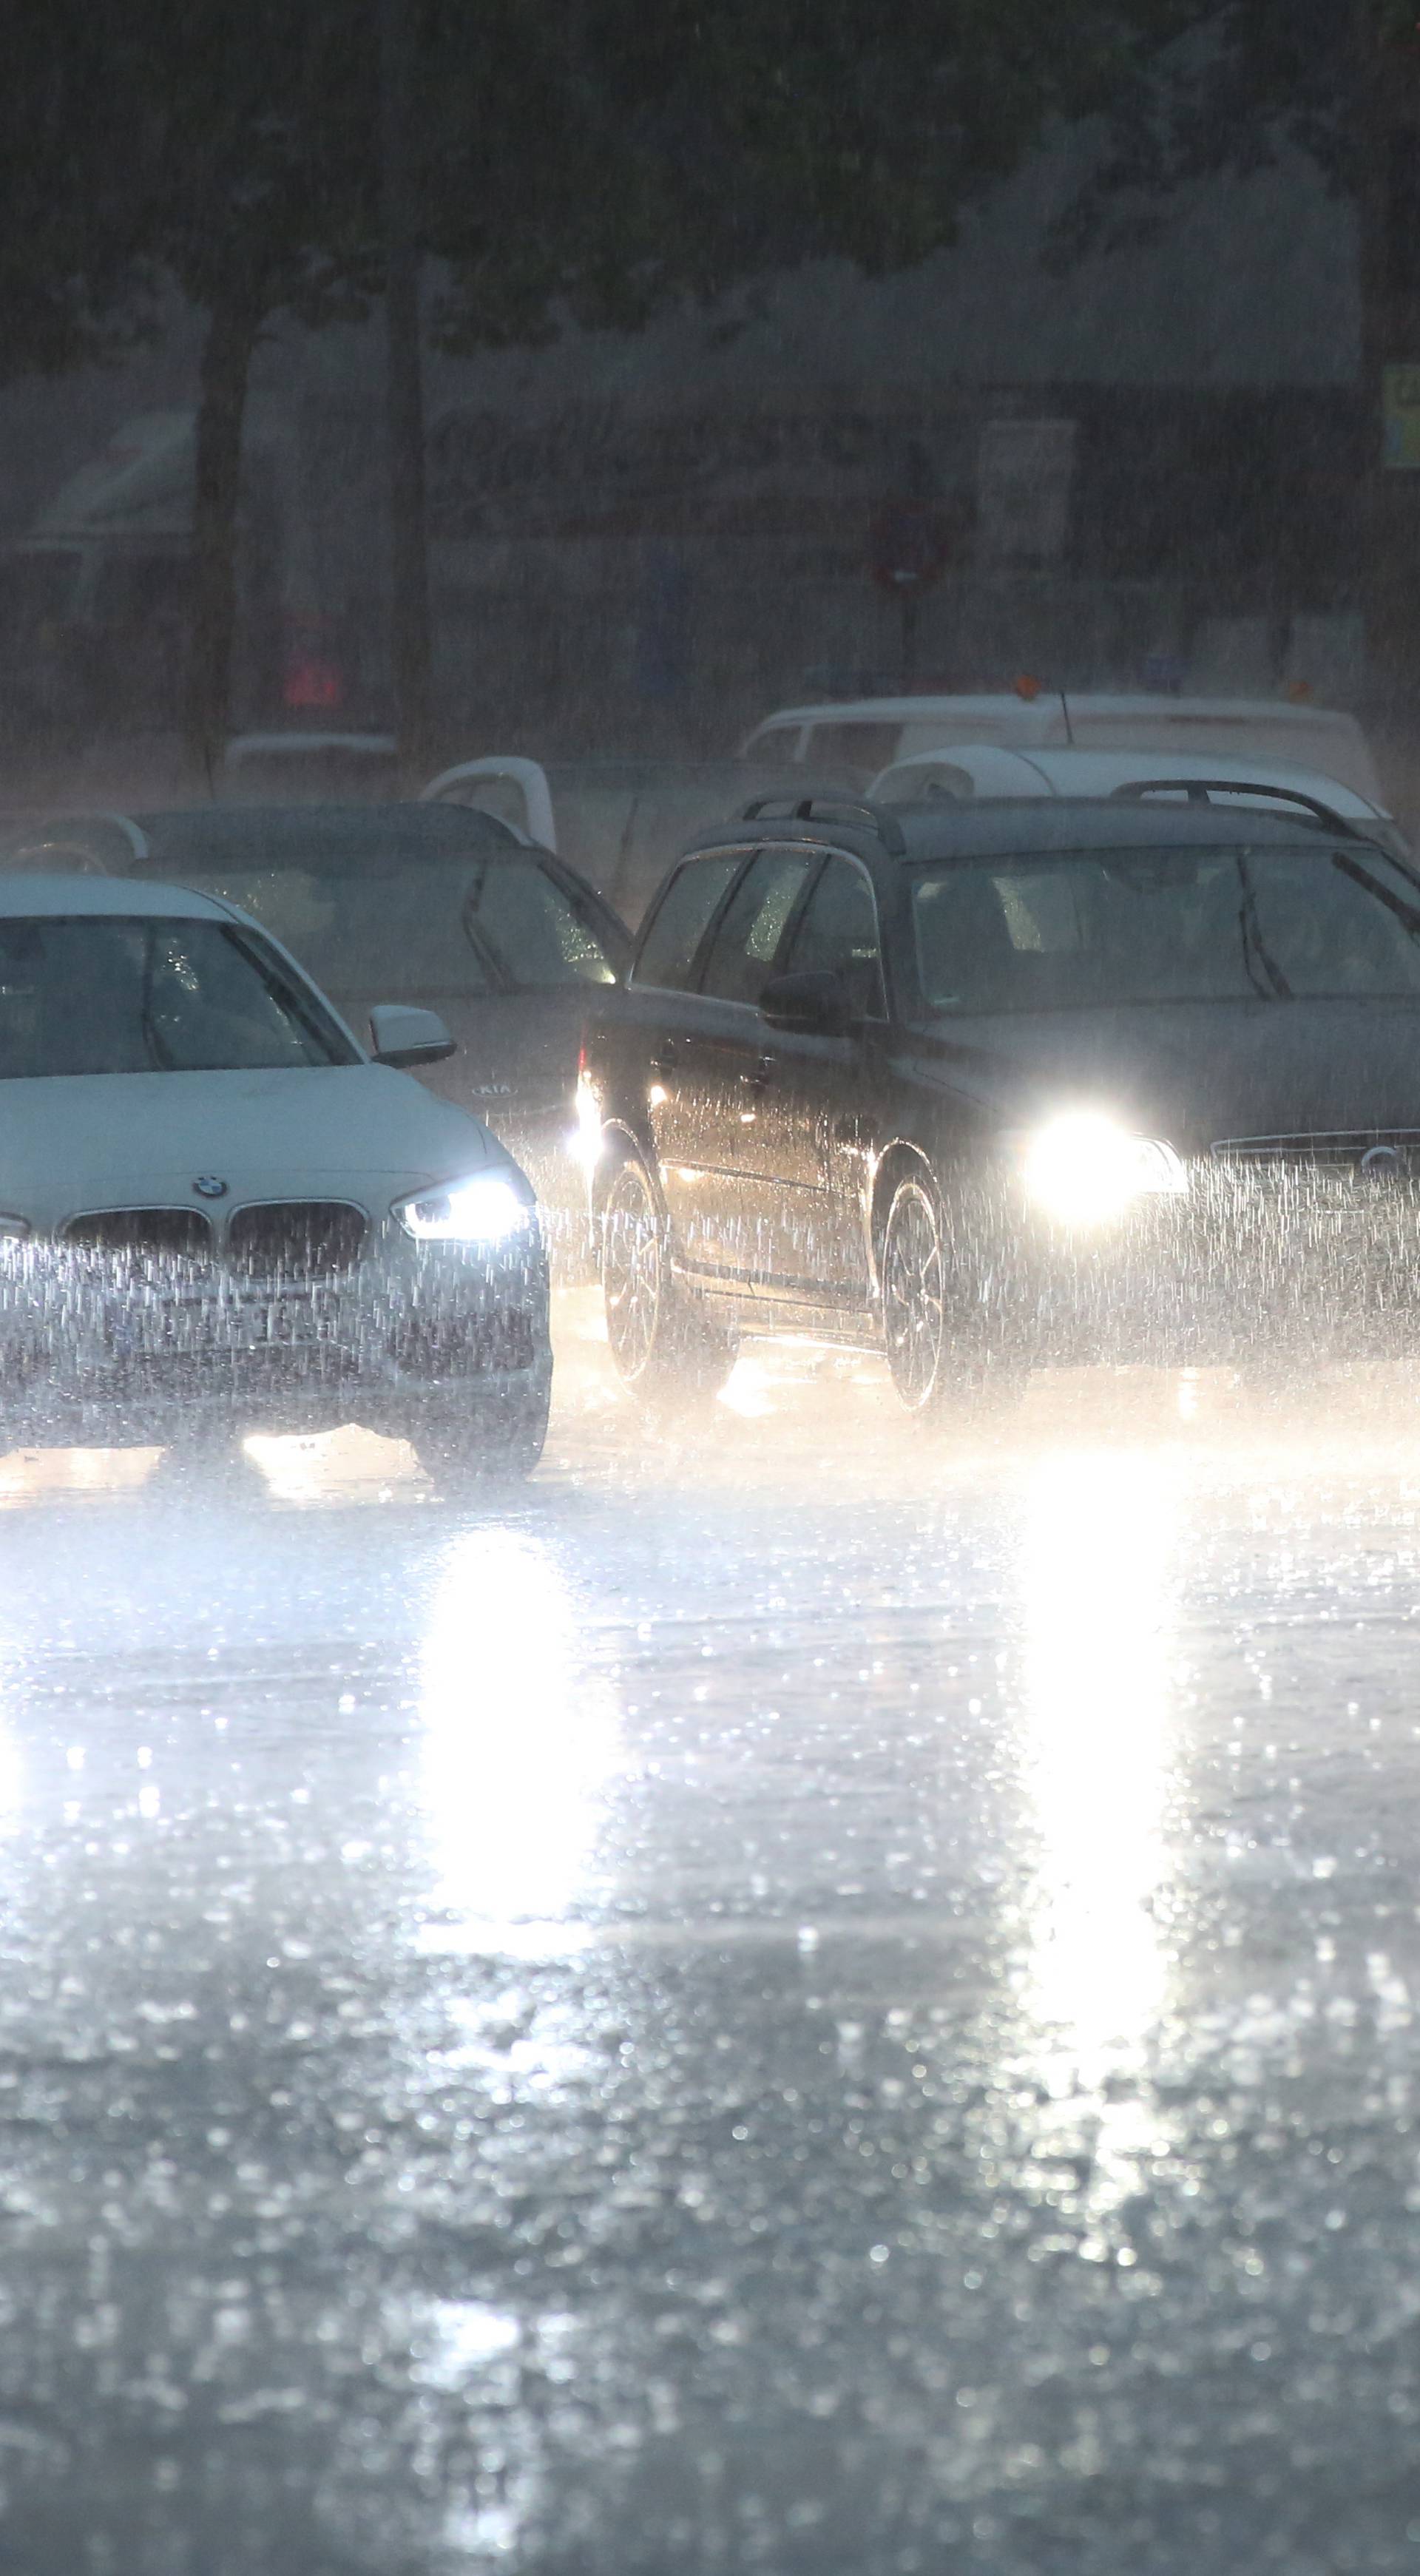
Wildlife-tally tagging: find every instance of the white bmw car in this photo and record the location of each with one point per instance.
(218, 1212)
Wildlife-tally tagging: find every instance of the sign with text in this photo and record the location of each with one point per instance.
(1024, 472)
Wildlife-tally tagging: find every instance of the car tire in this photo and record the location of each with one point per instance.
(939, 1373)
(489, 1448)
(664, 1349)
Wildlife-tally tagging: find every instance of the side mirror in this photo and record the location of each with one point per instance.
(401, 1035)
(816, 1002)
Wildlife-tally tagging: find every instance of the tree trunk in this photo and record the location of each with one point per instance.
(226, 363)
(409, 560)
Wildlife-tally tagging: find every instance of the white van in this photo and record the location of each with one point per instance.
(976, 771)
(869, 734)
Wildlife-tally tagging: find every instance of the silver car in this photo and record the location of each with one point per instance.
(218, 1211)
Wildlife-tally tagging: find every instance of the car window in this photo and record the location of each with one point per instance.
(1111, 927)
(538, 934)
(114, 995)
(838, 934)
(745, 945)
(774, 744)
(860, 745)
(383, 931)
(665, 817)
(681, 918)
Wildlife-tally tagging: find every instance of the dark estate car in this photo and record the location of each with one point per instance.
(997, 1085)
(428, 904)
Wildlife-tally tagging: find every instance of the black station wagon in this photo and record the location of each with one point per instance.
(993, 1086)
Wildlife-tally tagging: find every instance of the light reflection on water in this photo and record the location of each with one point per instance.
(518, 1745)
(1098, 1609)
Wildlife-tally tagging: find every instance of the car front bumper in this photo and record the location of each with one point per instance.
(93, 1347)
(1247, 1267)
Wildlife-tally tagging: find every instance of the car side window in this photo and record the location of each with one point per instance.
(680, 920)
(533, 928)
(745, 945)
(838, 934)
(855, 744)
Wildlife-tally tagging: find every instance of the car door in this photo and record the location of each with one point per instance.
(817, 1092)
(659, 1098)
(545, 946)
(717, 1172)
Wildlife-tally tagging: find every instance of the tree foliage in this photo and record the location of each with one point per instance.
(685, 148)
(590, 160)
(75, 281)
(1240, 80)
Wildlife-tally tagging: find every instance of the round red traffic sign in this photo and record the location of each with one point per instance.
(907, 545)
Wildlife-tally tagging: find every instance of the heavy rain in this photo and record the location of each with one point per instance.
(710, 1289)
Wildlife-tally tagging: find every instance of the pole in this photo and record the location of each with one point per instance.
(910, 604)
(409, 561)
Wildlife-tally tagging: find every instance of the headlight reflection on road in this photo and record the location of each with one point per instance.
(1098, 1609)
(518, 1746)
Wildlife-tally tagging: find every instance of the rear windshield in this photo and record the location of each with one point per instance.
(114, 995)
(439, 931)
(1091, 928)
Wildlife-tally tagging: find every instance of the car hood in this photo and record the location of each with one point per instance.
(1192, 1072)
(72, 1142)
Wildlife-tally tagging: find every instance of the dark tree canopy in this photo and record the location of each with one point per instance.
(602, 159)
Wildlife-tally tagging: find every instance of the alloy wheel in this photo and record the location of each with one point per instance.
(632, 1272)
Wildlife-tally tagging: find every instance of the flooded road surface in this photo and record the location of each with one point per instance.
(795, 2003)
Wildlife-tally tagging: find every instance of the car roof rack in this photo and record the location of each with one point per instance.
(878, 819)
(1201, 791)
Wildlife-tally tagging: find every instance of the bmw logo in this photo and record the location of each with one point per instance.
(208, 1186)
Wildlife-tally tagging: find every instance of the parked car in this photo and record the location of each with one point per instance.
(991, 1084)
(618, 822)
(429, 904)
(264, 768)
(993, 769)
(869, 734)
(219, 1211)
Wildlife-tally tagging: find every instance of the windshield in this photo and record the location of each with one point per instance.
(441, 928)
(1091, 928)
(153, 996)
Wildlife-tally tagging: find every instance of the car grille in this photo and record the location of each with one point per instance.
(1345, 1150)
(162, 1233)
(298, 1239)
(302, 1238)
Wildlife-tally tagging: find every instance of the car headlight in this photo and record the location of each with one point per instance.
(14, 1229)
(487, 1209)
(1084, 1166)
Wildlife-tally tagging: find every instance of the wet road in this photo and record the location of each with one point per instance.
(796, 2004)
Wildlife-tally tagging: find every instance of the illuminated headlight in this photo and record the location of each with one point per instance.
(1083, 1167)
(13, 1229)
(585, 1140)
(487, 1209)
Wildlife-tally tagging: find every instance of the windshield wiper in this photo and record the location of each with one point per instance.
(158, 1048)
(1254, 947)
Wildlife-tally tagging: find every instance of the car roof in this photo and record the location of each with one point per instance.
(27, 897)
(1018, 827)
(997, 704)
(260, 746)
(1080, 771)
(208, 834)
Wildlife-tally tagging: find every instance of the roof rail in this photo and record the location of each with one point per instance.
(879, 819)
(1201, 791)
